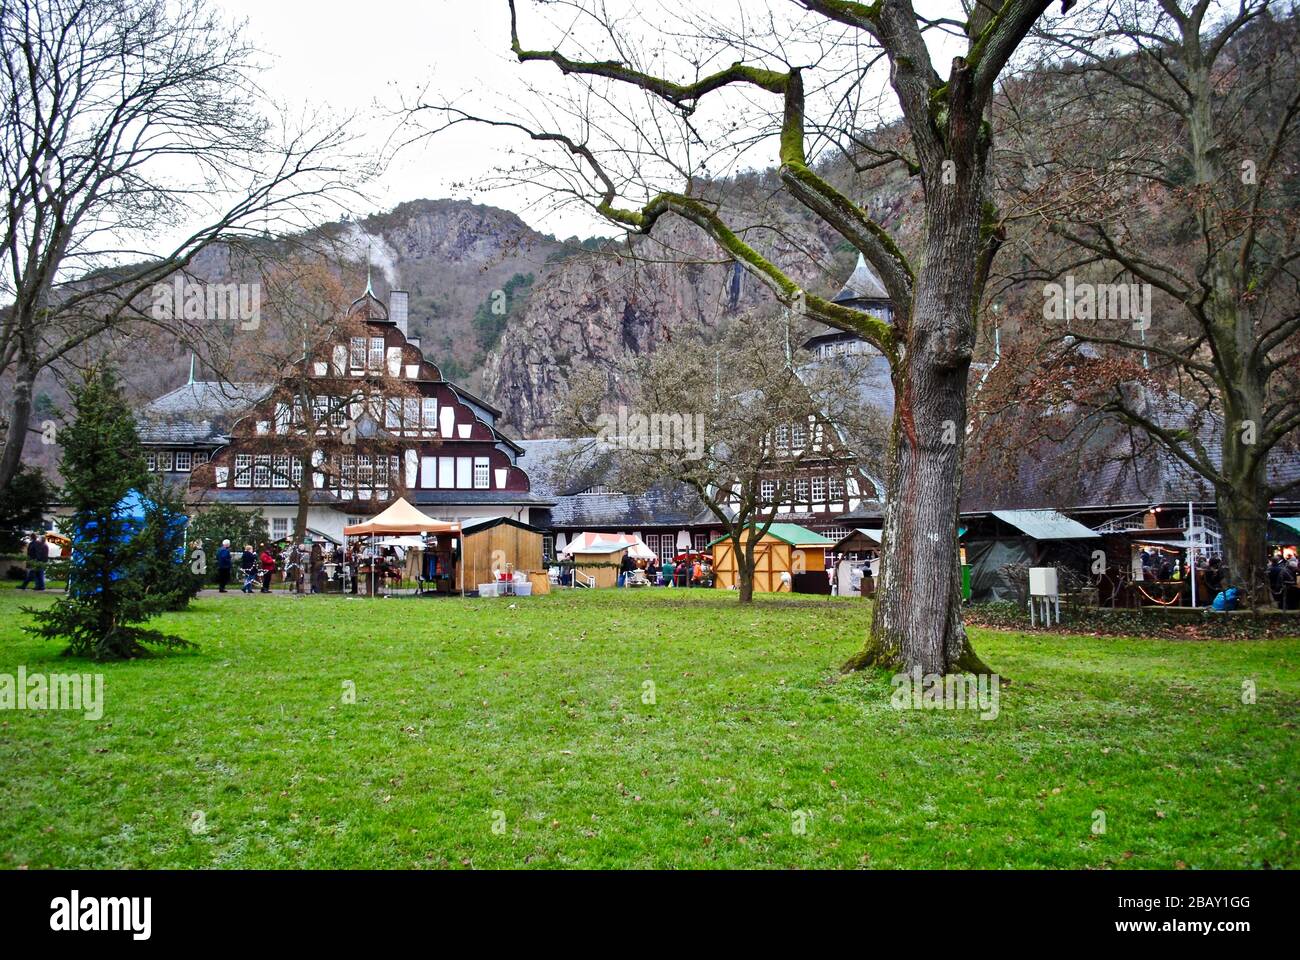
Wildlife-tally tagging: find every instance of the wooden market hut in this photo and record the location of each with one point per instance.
(491, 542)
(598, 555)
(786, 548)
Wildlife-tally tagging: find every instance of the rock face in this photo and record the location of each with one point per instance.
(573, 305)
(593, 310)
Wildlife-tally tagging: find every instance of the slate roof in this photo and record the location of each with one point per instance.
(560, 468)
(199, 413)
(863, 284)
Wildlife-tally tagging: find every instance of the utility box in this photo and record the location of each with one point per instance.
(1043, 595)
(1042, 582)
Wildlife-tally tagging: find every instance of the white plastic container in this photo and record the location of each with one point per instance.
(487, 589)
(523, 589)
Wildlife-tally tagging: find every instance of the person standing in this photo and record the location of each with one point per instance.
(317, 567)
(223, 566)
(1275, 581)
(38, 552)
(267, 560)
(248, 567)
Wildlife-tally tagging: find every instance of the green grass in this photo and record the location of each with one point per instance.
(467, 707)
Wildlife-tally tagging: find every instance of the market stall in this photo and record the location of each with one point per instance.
(377, 565)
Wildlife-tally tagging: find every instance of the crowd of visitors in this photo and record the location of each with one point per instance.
(687, 570)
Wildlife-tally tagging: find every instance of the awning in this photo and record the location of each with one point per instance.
(401, 517)
(608, 543)
(1291, 523)
(1046, 525)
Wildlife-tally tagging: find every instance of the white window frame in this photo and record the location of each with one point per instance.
(801, 490)
(280, 472)
(464, 473)
(295, 473)
(243, 469)
(429, 414)
(767, 491)
(164, 461)
(151, 462)
(483, 480)
(184, 461)
(262, 470)
(836, 489)
(357, 353)
(279, 528)
(818, 489)
(377, 354)
(798, 435)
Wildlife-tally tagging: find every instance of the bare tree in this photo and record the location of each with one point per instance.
(1178, 178)
(743, 423)
(122, 122)
(335, 413)
(666, 85)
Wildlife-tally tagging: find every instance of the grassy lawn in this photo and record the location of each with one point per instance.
(487, 736)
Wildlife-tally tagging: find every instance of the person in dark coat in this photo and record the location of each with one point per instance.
(1276, 587)
(248, 567)
(223, 566)
(317, 568)
(1214, 576)
(38, 553)
(625, 567)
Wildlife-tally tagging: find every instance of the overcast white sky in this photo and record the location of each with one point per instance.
(364, 58)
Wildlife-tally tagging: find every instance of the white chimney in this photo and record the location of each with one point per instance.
(397, 309)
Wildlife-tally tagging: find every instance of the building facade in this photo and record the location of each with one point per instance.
(356, 423)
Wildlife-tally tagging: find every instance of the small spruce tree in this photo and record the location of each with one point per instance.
(107, 598)
(171, 571)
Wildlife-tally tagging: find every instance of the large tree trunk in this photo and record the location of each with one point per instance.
(304, 502)
(1244, 522)
(20, 414)
(917, 618)
(745, 570)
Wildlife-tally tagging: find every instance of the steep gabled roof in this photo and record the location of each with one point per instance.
(200, 413)
(863, 284)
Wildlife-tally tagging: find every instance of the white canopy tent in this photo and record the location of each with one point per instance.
(608, 543)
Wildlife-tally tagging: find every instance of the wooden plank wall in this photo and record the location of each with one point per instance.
(523, 548)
